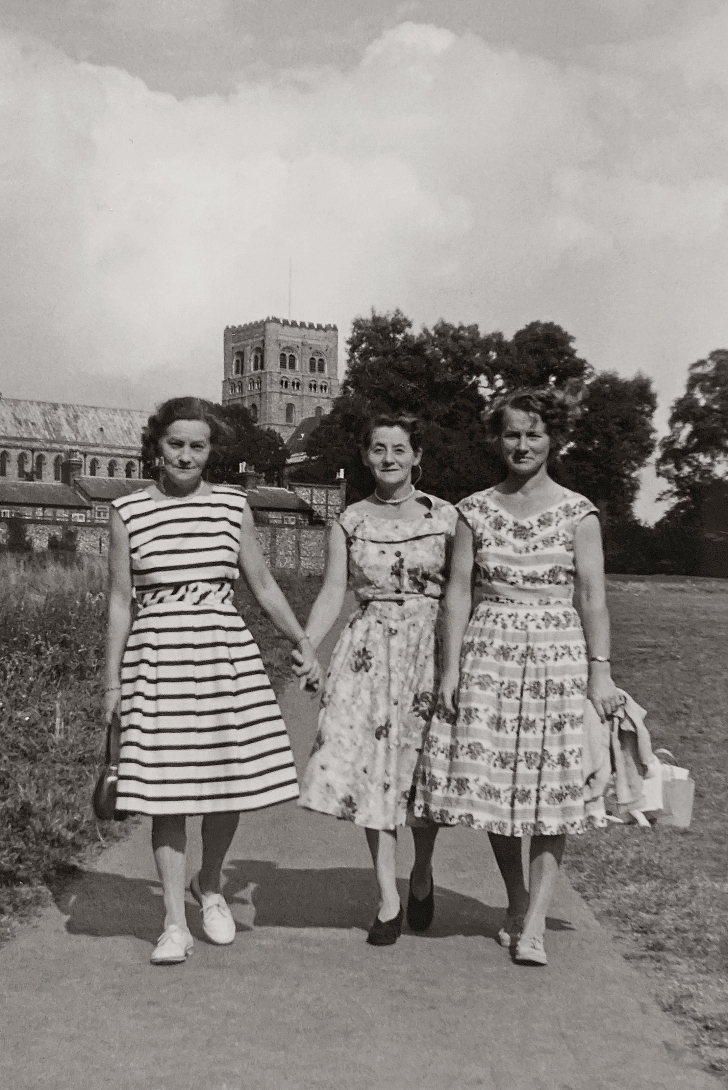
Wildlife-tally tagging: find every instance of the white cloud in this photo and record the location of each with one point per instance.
(439, 174)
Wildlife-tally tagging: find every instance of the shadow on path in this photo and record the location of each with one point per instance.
(104, 904)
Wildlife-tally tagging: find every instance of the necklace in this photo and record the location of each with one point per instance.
(397, 502)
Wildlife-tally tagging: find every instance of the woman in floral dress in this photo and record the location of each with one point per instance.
(505, 754)
(393, 549)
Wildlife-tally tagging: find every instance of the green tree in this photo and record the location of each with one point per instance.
(611, 441)
(259, 447)
(695, 451)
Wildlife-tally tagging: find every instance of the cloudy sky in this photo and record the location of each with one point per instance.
(490, 161)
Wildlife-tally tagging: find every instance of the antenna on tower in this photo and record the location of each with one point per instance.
(290, 282)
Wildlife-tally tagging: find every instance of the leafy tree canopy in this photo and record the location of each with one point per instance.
(448, 374)
(259, 447)
(695, 451)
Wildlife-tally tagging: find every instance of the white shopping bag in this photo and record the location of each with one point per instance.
(678, 792)
(652, 791)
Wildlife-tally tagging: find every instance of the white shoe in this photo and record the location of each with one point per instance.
(173, 946)
(530, 951)
(217, 919)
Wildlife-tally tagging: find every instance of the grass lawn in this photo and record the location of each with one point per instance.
(664, 890)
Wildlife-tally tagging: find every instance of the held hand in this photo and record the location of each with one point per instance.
(448, 694)
(603, 694)
(112, 700)
(307, 667)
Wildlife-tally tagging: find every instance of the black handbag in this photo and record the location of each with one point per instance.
(104, 797)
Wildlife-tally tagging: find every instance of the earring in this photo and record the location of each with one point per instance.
(159, 461)
(419, 478)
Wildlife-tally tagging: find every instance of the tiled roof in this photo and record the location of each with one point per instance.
(105, 489)
(38, 494)
(268, 498)
(48, 422)
(298, 440)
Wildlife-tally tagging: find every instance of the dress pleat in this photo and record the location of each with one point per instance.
(201, 728)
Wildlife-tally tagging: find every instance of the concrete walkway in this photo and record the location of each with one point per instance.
(300, 1001)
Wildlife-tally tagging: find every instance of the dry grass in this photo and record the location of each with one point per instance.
(666, 890)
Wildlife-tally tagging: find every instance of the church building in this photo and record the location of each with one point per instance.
(283, 372)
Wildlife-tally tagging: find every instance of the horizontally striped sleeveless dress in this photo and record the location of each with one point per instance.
(201, 728)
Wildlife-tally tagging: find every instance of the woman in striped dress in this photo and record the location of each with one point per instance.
(201, 731)
(505, 752)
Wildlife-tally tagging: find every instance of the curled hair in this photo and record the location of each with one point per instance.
(184, 408)
(406, 421)
(557, 410)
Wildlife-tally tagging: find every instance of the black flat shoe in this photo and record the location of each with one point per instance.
(420, 913)
(386, 933)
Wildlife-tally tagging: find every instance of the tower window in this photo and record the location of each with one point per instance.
(111, 468)
(251, 383)
(58, 467)
(238, 364)
(232, 387)
(258, 359)
(312, 387)
(312, 365)
(257, 384)
(254, 413)
(283, 361)
(290, 414)
(321, 367)
(296, 384)
(22, 463)
(324, 388)
(93, 467)
(129, 470)
(291, 363)
(4, 459)
(39, 467)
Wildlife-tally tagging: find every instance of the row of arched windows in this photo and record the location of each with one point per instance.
(38, 466)
(294, 384)
(287, 361)
(323, 387)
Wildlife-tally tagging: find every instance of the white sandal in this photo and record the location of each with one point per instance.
(173, 946)
(530, 951)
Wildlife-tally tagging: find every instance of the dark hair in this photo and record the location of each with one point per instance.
(556, 409)
(406, 421)
(184, 408)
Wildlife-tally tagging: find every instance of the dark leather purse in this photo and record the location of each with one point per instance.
(104, 797)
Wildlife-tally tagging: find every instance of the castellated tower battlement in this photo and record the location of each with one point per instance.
(281, 371)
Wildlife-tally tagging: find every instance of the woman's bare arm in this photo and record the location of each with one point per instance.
(119, 600)
(592, 607)
(456, 612)
(327, 606)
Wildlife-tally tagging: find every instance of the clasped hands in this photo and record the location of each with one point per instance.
(306, 666)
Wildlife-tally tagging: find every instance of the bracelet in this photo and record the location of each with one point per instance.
(301, 639)
(112, 688)
(598, 658)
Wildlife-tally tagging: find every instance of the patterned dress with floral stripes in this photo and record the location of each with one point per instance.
(511, 760)
(201, 728)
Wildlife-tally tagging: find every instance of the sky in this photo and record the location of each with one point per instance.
(163, 163)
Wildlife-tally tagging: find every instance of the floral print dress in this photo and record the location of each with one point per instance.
(379, 692)
(511, 760)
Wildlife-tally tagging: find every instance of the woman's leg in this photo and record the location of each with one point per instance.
(507, 852)
(546, 854)
(424, 837)
(218, 831)
(169, 842)
(383, 845)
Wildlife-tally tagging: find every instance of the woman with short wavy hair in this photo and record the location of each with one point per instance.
(505, 752)
(201, 730)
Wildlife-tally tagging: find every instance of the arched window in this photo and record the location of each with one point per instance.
(283, 361)
(22, 463)
(232, 387)
(290, 414)
(129, 470)
(4, 459)
(321, 367)
(240, 387)
(112, 468)
(291, 362)
(312, 365)
(257, 384)
(258, 359)
(238, 364)
(324, 388)
(254, 413)
(296, 384)
(93, 467)
(312, 387)
(39, 467)
(251, 383)
(58, 467)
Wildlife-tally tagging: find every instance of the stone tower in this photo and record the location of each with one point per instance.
(281, 371)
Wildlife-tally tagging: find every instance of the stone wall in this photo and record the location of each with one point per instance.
(89, 539)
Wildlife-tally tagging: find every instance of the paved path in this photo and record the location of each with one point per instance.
(300, 1002)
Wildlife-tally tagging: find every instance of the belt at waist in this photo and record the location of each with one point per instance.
(400, 605)
(198, 593)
